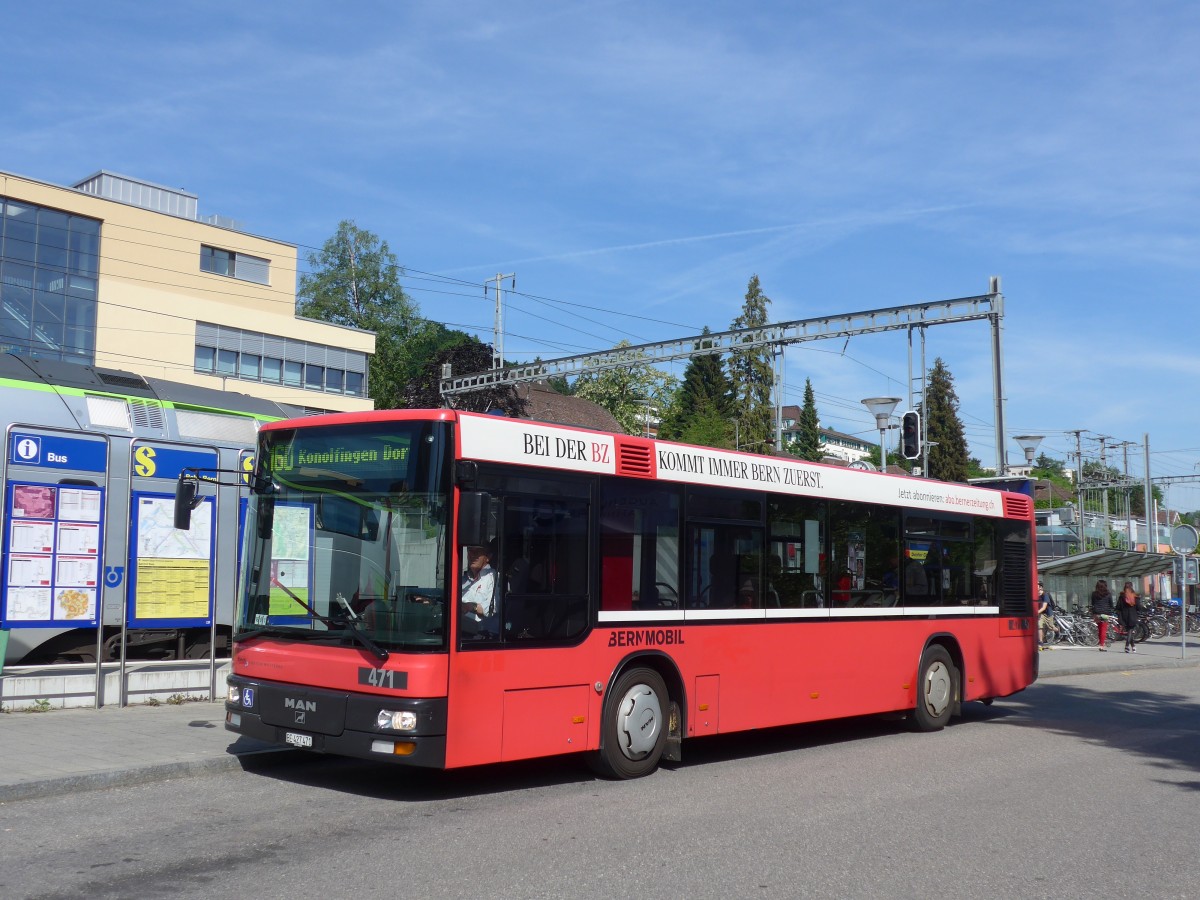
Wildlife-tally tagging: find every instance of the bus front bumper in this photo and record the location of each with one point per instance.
(338, 723)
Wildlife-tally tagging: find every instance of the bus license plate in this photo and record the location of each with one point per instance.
(297, 740)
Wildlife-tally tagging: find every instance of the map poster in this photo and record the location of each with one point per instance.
(291, 539)
(171, 567)
(52, 547)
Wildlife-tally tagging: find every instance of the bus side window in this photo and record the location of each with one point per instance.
(546, 568)
(639, 546)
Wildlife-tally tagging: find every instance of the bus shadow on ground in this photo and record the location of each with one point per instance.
(382, 781)
(1161, 727)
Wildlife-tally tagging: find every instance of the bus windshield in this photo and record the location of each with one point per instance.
(345, 536)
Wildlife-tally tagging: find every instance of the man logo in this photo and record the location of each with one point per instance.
(300, 705)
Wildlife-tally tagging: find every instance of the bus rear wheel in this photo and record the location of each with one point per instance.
(937, 690)
(634, 730)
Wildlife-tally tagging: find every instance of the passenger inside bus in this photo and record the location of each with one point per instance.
(916, 582)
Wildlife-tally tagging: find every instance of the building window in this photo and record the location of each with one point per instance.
(206, 359)
(293, 373)
(234, 353)
(48, 267)
(215, 261)
(235, 265)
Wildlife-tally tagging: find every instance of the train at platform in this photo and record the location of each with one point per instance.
(92, 568)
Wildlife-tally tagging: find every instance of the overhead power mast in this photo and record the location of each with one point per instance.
(988, 306)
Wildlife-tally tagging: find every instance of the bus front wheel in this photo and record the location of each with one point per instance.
(937, 690)
(634, 731)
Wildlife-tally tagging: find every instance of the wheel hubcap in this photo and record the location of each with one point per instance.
(639, 721)
(938, 689)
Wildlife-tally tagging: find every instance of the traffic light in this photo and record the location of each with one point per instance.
(910, 435)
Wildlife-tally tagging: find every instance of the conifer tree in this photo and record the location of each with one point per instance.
(944, 430)
(753, 376)
(702, 408)
(808, 443)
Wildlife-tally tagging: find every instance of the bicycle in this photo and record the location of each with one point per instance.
(1072, 629)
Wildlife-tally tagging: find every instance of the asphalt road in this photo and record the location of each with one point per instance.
(1083, 786)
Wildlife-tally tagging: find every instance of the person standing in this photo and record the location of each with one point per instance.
(1129, 610)
(1045, 611)
(1102, 610)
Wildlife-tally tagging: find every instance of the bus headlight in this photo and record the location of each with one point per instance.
(233, 693)
(396, 720)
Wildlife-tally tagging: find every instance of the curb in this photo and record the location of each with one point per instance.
(95, 781)
(1101, 670)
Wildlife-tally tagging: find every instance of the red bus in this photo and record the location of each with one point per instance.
(448, 589)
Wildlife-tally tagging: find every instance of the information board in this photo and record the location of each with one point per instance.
(52, 553)
(171, 570)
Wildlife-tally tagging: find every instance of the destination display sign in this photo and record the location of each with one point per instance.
(331, 453)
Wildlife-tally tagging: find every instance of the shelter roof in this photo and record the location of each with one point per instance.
(1108, 563)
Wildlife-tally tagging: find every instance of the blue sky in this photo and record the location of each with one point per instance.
(634, 163)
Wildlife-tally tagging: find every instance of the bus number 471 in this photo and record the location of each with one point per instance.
(383, 678)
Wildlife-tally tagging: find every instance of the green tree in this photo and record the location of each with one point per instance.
(894, 458)
(465, 355)
(632, 392)
(1049, 467)
(355, 281)
(948, 445)
(808, 443)
(753, 376)
(702, 407)
(1046, 468)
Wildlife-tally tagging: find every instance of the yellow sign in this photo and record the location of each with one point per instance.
(172, 588)
(143, 461)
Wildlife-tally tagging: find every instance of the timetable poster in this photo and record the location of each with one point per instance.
(172, 567)
(52, 555)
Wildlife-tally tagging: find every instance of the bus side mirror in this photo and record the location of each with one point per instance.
(474, 518)
(186, 499)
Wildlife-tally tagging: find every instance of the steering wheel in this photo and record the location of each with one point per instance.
(666, 602)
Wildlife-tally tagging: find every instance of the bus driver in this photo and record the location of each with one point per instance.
(479, 592)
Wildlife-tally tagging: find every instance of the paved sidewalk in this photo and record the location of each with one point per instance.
(67, 750)
(1064, 659)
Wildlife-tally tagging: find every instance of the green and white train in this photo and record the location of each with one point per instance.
(92, 565)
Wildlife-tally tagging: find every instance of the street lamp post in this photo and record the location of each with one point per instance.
(881, 408)
(1028, 443)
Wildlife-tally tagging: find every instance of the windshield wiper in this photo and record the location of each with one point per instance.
(276, 630)
(351, 623)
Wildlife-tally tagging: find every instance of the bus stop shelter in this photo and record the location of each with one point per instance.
(1071, 579)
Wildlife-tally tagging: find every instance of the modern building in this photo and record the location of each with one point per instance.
(835, 446)
(118, 272)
